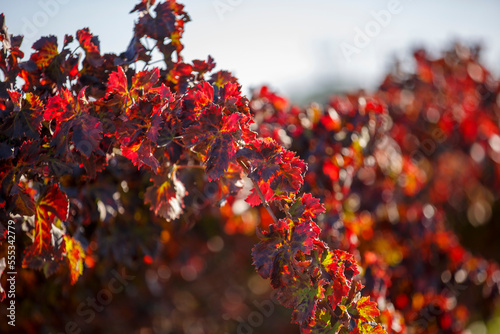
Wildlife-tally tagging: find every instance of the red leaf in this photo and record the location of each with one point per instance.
(46, 50)
(144, 80)
(264, 157)
(166, 195)
(215, 136)
(254, 199)
(265, 251)
(340, 289)
(348, 260)
(75, 256)
(368, 328)
(142, 83)
(199, 97)
(117, 84)
(221, 78)
(164, 93)
(90, 44)
(52, 204)
(87, 134)
(59, 107)
(160, 27)
(306, 207)
(303, 237)
(25, 121)
(67, 39)
(231, 182)
(368, 310)
(276, 252)
(202, 66)
(290, 176)
(302, 296)
(140, 153)
(87, 131)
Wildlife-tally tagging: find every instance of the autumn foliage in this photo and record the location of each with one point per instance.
(106, 167)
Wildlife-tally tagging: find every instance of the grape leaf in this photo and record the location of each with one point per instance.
(47, 65)
(87, 134)
(271, 244)
(25, 120)
(67, 39)
(117, 86)
(159, 27)
(140, 153)
(274, 254)
(46, 51)
(330, 265)
(202, 66)
(368, 310)
(351, 268)
(143, 81)
(23, 201)
(199, 97)
(87, 131)
(75, 256)
(339, 287)
(221, 78)
(90, 44)
(254, 199)
(216, 137)
(302, 296)
(290, 176)
(264, 156)
(231, 182)
(306, 207)
(166, 195)
(52, 204)
(322, 324)
(303, 237)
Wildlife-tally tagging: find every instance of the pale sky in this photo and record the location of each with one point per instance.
(292, 45)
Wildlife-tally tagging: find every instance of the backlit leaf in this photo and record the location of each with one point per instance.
(166, 195)
(264, 156)
(215, 136)
(46, 50)
(52, 204)
(302, 297)
(368, 310)
(75, 256)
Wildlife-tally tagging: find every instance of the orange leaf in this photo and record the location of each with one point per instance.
(51, 205)
(368, 310)
(75, 256)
